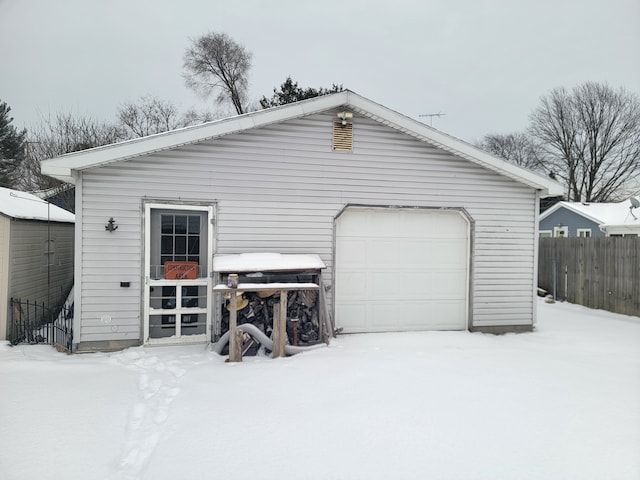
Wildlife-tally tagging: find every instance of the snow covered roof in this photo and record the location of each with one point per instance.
(605, 214)
(64, 167)
(265, 262)
(16, 204)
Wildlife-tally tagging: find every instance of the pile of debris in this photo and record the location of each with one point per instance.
(303, 326)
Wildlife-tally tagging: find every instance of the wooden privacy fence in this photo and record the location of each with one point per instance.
(597, 272)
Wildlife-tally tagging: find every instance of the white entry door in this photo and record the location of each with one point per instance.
(401, 269)
(178, 252)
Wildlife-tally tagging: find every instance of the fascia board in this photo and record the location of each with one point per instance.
(64, 174)
(64, 165)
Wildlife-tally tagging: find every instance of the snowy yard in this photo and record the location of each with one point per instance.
(560, 403)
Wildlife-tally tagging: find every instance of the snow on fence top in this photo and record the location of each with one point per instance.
(16, 204)
(264, 262)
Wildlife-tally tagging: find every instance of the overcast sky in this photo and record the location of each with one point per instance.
(483, 63)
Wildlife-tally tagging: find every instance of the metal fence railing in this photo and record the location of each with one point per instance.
(33, 323)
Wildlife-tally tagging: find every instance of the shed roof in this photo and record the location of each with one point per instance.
(17, 204)
(603, 213)
(66, 166)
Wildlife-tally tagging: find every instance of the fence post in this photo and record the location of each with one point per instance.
(554, 269)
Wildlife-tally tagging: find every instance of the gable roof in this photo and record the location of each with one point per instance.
(64, 167)
(604, 213)
(17, 204)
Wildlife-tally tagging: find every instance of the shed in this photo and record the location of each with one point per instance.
(36, 252)
(591, 219)
(418, 230)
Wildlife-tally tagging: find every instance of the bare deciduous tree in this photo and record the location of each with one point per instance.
(591, 140)
(151, 115)
(148, 116)
(517, 148)
(215, 62)
(60, 134)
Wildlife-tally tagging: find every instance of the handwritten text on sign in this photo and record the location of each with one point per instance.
(181, 270)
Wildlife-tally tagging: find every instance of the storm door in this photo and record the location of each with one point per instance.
(178, 296)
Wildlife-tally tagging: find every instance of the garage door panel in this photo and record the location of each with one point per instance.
(382, 251)
(354, 284)
(353, 225)
(447, 316)
(352, 252)
(434, 315)
(382, 316)
(385, 316)
(356, 315)
(449, 285)
(384, 285)
(401, 270)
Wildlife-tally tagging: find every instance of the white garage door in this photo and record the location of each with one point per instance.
(401, 269)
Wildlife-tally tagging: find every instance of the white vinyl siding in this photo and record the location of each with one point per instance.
(279, 188)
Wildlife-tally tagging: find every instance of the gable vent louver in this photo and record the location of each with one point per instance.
(343, 136)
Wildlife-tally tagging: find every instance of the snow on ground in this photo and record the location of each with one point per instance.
(560, 403)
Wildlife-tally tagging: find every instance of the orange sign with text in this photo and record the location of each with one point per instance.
(181, 270)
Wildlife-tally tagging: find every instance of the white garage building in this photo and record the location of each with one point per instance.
(418, 230)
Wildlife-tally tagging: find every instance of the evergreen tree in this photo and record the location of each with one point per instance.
(290, 92)
(12, 144)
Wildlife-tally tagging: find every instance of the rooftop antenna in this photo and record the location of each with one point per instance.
(634, 204)
(431, 115)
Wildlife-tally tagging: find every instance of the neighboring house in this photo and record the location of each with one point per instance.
(36, 252)
(418, 230)
(576, 219)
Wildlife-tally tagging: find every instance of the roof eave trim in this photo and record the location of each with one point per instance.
(63, 174)
(176, 138)
(456, 146)
(64, 167)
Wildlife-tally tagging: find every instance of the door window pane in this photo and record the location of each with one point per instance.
(194, 225)
(180, 227)
(194, 245)
(180, 239)
(161, 326)
(167, 245)
(167, 224)
(180, 245)
(194, 324)
(194, 296)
